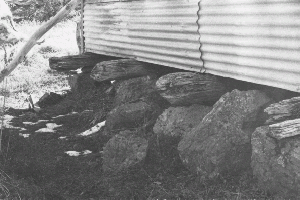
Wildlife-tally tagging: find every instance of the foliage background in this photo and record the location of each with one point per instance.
(40, 10)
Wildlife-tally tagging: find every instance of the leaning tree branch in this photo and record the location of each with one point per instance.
(36, 36)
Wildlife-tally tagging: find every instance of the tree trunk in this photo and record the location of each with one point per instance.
(119, 69)
(36, 36)
(74, 62)
(283, 110)
(187, 88)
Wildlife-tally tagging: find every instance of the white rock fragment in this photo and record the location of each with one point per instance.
(73, 153)
(76, 153)
(45, 130)
(94, 129)
(28, 123)
(34, 123)
(24, 135)
(85, 152)
(42, 120)
(52, 125)
(59, 116)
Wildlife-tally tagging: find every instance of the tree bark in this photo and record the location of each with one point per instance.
(36, 36)
(285, 129)
(74, 62)
(284, 110)
(119, 69)
(187, 88)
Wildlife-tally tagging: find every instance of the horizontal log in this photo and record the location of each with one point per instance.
(284, 110)
(119, 69)
(74, 62)
(285, 129)
(186, 88)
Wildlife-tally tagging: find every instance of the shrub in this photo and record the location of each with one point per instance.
(38, 10)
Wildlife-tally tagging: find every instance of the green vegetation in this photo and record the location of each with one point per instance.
(40, 10)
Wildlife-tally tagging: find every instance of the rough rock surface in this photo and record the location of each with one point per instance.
(276, 163)
(132, 115)
(133, 89)
(175, 121)
(49, 99)
(169, 128)
(221, 142)
(86, 83)
(123, 151)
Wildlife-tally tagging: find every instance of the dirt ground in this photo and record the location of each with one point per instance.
(37, 162)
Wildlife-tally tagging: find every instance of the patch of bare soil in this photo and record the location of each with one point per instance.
(40, 148)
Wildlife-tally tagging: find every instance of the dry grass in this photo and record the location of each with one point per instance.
(33, 76)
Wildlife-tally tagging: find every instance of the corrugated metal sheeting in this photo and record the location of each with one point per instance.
(251, 40)
(157, 31)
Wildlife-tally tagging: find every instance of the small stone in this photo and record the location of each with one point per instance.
(49, 99)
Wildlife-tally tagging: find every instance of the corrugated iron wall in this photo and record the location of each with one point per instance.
(252, 40)
(157, 31)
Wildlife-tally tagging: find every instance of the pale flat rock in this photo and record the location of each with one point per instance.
(45, 130)
(73, 153)
(93, 130)
(52, 125)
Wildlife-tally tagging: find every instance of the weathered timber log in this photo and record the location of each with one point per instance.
(285, 129)
(74, 62)
(284, 110)
(187, 88)
(119, 69)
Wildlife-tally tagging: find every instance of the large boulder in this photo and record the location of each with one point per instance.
(276, 163)
(136, 114)
(124, 150)
(221, 142)
(169, 128)
(133, 89)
